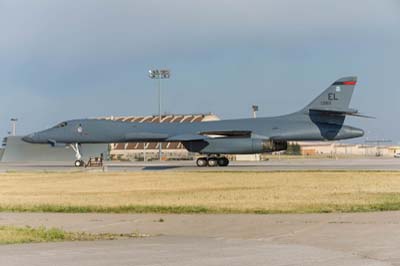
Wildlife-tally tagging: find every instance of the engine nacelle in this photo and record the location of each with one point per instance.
(235, 146)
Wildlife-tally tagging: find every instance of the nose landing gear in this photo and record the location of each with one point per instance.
(79, 162)
(212, 161)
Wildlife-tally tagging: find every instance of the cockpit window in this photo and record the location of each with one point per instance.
(63, 124)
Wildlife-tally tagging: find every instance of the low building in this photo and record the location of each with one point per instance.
(338, 148)
(147, 151)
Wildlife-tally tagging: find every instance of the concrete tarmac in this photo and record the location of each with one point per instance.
(181, 240)
(290, 239)
(381, 164)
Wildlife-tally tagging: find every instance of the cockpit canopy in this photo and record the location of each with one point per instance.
(63, 124)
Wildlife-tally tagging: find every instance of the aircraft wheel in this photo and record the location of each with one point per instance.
(202, 162)
(223, 161)
(212, 162)
(79, 163)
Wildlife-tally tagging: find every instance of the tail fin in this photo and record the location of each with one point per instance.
(336, 98)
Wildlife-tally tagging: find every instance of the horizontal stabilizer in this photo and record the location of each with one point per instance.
(339, 112)
(363, 116)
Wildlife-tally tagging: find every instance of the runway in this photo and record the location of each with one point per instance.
(180, 240)
(380, 164)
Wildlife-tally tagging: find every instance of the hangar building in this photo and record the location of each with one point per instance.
(148, 151)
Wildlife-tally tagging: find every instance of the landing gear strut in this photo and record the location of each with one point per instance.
(212, 161)
(79, 162)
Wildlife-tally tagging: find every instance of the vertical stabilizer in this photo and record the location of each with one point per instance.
(335, 98)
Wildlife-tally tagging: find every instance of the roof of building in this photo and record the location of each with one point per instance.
(165, 118)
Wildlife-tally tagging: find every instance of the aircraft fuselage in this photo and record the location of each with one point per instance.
(293, 127)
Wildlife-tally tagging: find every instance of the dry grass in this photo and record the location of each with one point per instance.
(214, 192)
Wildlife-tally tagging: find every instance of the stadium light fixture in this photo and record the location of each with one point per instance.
(159, 74)
(255, 110)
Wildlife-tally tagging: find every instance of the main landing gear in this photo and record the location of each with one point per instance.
(212, 161)
(79, 162)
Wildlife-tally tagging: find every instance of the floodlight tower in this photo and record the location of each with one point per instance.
(14, 126)
(255, 110)
(159, 74)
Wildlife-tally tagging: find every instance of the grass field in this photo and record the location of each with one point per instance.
(201, 192)
(19, 235)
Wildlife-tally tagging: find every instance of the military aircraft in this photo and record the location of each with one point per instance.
(320, 120)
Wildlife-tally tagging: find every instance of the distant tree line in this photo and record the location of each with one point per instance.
(293, 149)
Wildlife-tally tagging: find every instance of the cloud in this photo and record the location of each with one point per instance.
(75, 41)
(90, 28)
(55, 55)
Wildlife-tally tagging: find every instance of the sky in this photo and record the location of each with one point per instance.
(62, 60)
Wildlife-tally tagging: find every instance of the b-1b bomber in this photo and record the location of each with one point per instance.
(322, 119)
